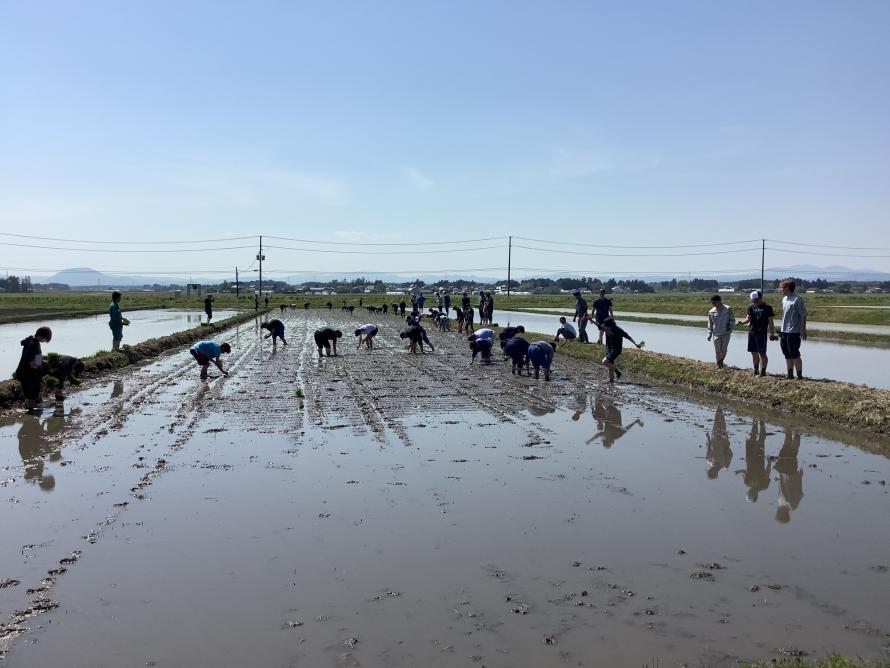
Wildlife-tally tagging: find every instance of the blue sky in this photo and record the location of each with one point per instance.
(596, 122)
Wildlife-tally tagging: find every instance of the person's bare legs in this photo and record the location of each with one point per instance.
(755, 358)
(798, 367)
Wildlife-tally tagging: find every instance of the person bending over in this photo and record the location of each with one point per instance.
(516, 349)
(508, 333)
(414, 334)
(324, 338)
(276, 331)
(206, 352)
(366, 334)
(540, 354)
(32, 368)
(480, 346)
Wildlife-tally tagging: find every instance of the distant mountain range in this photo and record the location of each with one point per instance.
(86, 277)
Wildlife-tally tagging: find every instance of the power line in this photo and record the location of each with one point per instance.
(572, 243)
(800, 243)
(132, 243)
(793, 250)
(392, 252)
(389, 243)
(568, 252)
(126, 250)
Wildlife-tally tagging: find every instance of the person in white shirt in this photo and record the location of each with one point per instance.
(566, 331)
(720, 323)
(366, 334)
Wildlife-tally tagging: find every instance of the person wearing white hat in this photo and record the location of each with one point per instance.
(760, 318)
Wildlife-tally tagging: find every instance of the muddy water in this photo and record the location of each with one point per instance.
(822, 359)
(413, 511)
(85, 336)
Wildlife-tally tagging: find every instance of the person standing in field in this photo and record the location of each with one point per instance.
(276, 331)
(116, 321)
(32, 368)
(447, 303)
(602, 309)
(581, 316)
(489, 309)
(207, 352)
(366, 334)
(614, 342)
(402, 306)
(208, 307)
(794, 328)
(760, 317)
(720, 323)
(256, 302)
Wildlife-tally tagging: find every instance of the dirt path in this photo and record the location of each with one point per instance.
(412, 510)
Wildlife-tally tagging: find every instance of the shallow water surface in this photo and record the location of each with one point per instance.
(414, 511)
(84, 336)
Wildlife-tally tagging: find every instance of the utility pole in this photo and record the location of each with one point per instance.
(762, 262)
(261, 257)
(509, 259)
(237, 286)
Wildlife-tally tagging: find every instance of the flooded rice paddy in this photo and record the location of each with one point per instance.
(821, 359)
(414, 511)
(84, 336)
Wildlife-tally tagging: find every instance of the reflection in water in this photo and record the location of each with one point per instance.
(609, 423)
(756, 473)
(117, 389)
(36, 445)
(790, 477)
(719, 454)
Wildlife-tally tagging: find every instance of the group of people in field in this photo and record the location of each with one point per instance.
(522, 353)
(761, 322)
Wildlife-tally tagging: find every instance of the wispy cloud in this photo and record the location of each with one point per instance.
(418, 178)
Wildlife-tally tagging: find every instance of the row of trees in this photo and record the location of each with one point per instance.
(16, 284)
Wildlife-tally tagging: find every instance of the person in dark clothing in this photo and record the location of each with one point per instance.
(614, 341)
(116, 321)
(465, 301)
(67, 368)
(489, 308)
(32, 368)
(447, 303)
(325, 337)
(760, 317)
(329, 305)
(581, 316)
(516, 348)
(402, 307)
(415, 336)
(468, 319)
(266, 301)
(256, 302)
(602, 309)
(208, 307)
(282, 307)
(385, 309)
(480, 345)
(540, 354)
(508, 333)
(276, 331)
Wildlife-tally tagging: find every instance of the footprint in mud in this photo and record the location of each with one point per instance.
(4, 584)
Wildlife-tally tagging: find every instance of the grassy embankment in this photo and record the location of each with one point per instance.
(842, 404)
(104, 361)
(831, 661)
(23, 307)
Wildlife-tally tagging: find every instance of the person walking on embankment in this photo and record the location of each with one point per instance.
(208, 307)
(581, 316)
(602, 309)
(116, 321)
(760, 317)
(720, 323)
(794, 328)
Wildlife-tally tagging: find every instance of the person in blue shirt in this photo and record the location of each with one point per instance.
(516, 348)
(206, 352)
(116, 321)
(276, 331)
(540, 354)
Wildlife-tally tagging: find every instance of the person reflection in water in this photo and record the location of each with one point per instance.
(36, 445)
(719, 453)
(790, 477)
(117, 390)
(609, 423)
(757, 472)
